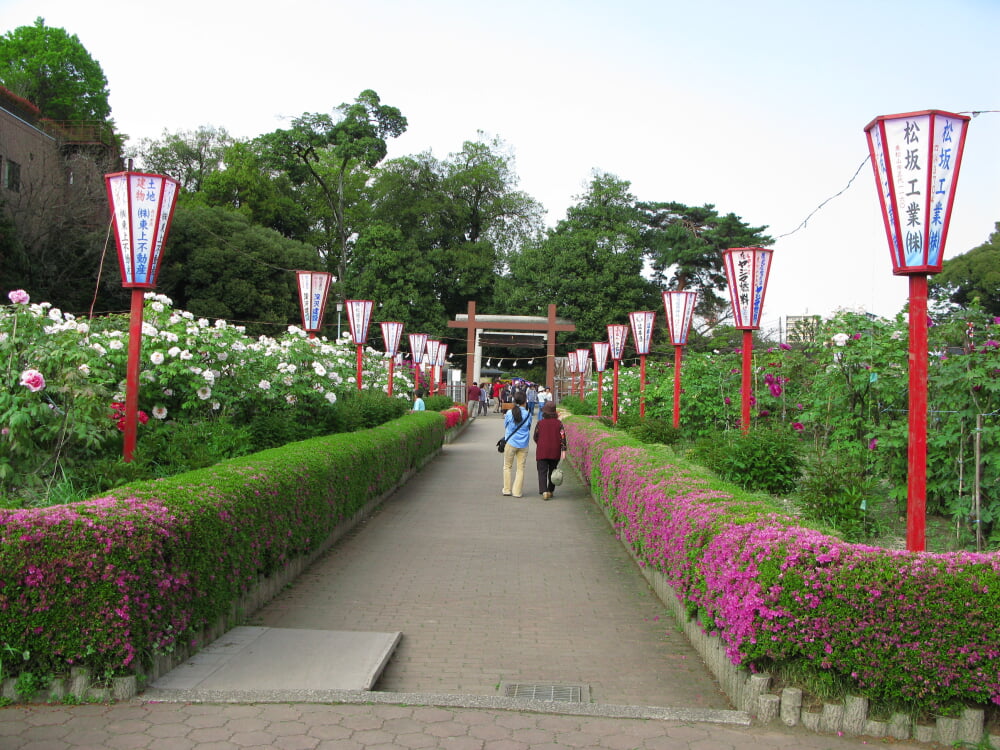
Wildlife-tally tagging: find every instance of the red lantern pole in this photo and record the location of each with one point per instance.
(417, 343)
(601, 351)
(679, 307)
(747, 269)
(582, 360)
(916, 486)
(642, 334)
(432, 351)
(359, 315)
(617, 334)
(746, 384)
(916, 158)
(677, 385)
(132, 375)
(392, 331)
(142, 206)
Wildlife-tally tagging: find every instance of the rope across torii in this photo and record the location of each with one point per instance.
(550, 326)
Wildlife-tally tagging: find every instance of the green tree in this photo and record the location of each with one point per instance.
(972, 276)
(249, 184)
(53, 70)
(685, 244)
(325, 152)
(219, 265)
(590, 265)
(189, 156)
(458, 216)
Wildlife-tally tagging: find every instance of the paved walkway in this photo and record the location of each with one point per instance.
(496, 597)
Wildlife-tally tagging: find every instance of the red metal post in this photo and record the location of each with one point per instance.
(614, 397)
(642, 385)
(677, 387)
(392, 363)
(745, 389)
(359, 366)
(916, 489)
(132, 374)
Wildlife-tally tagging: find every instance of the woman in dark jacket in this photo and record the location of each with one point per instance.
(550, 447)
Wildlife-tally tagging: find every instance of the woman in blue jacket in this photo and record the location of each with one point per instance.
(517, 431)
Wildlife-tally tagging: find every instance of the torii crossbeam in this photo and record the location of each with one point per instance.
(550, 326)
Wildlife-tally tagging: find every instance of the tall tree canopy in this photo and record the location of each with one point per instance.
(323, 152)
(54, 71)
(590, 265)
(685, 245)
(189, 156)
(447, 222)
(974, 275)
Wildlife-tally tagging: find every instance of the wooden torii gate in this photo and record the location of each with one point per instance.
(550, 326)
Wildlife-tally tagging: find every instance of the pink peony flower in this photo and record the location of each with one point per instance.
(19, 297)
(33, 380)
(798, 426)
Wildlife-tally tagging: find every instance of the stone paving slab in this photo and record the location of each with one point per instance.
(313, 726)
(254, 658)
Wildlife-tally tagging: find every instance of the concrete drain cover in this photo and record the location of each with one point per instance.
(568, 693)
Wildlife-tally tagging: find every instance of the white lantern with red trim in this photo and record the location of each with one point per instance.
(314, 287)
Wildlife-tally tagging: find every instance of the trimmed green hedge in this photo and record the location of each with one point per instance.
(112, 581)
(904, 628)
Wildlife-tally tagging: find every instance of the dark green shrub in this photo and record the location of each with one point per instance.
(655, 430)
(575, 405)
(763, 460)
(837, 489)
(438, 403)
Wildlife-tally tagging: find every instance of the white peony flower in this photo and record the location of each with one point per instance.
(156, 358)
(160, 412)
(204, 392)
(264, 385)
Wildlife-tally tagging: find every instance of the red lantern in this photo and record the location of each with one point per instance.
(916, 158)
(417, 343)
(601, 351)
(617, 335)
(642, 334)
(359, 315)
(313, 289)
(679, 307)
(142, 206)
(747, 269)
(392, 332)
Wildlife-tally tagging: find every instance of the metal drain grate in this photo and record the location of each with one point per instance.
(568, 693)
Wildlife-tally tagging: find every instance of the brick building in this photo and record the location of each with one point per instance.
(52, 175)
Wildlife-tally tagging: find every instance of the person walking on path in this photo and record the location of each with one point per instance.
(550, 448)
(497, 388)
(532, 396)
(473, 400)
(517, 431)
(484, 400)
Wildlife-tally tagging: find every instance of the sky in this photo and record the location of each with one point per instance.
(758, 108)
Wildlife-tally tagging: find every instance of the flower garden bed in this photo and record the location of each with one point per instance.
(149, 573)
(895, 628)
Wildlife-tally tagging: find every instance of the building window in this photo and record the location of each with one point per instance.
(12, 176)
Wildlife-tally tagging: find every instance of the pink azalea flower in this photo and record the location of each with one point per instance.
(33, 380)
(798, 426)
(873, 444)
